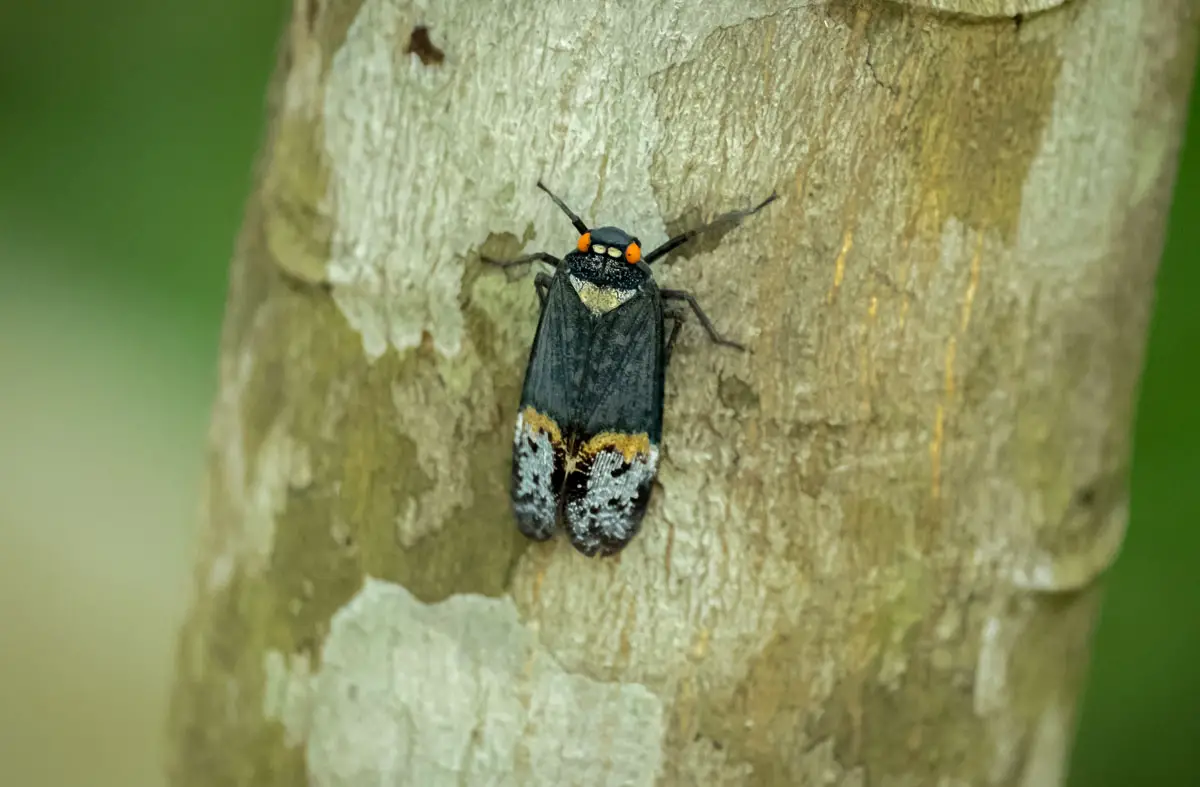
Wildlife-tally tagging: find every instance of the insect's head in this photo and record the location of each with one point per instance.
(611, 242)
(609, 255)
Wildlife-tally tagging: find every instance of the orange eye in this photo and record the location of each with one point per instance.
(585, 240)
(633, 253)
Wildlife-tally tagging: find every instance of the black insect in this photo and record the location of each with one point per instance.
(585, 450)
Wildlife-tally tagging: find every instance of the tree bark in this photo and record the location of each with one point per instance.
(874, 556)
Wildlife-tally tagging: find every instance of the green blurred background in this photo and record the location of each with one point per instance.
(127, 133)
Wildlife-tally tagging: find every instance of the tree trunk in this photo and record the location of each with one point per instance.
(875, 552)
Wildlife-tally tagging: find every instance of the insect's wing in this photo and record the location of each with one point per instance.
(618, 406)
(539, 447)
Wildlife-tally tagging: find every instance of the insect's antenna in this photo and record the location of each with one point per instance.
(578, 222)
(732, 218)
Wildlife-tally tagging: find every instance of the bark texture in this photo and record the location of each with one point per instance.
(875, 554)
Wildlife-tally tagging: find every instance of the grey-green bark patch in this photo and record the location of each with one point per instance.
(297, 228)
(296, 224)
(217, 729)
(306, 393)
(306, 387)
(772, 709)
(972, 148)
(1052, 645)
(367, 472)
(927, 700)
(707, 762)
(769, 710)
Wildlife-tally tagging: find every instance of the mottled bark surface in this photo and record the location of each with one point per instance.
(875, 553)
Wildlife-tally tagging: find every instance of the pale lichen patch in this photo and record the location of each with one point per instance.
(220, 571)
(991, 693)
(460, 692)
(281, 465)
(986, 9)
(288, 693)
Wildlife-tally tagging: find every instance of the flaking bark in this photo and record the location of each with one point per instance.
(876, 553)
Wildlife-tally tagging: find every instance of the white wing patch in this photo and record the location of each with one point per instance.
(534, 499)
(610, 511)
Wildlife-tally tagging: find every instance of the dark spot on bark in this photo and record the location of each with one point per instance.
(420, 45)
(1018, 20)
(308, 646)
(1086, 497)
(352, 691)
(312, 9)
(426, 340)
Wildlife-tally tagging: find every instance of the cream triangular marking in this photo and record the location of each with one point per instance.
(600, 300)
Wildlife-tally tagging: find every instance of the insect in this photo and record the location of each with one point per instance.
(585, 448)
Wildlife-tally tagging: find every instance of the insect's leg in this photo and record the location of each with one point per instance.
(541, 283)
(684, 295)
(540, 256)
(676, 317)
